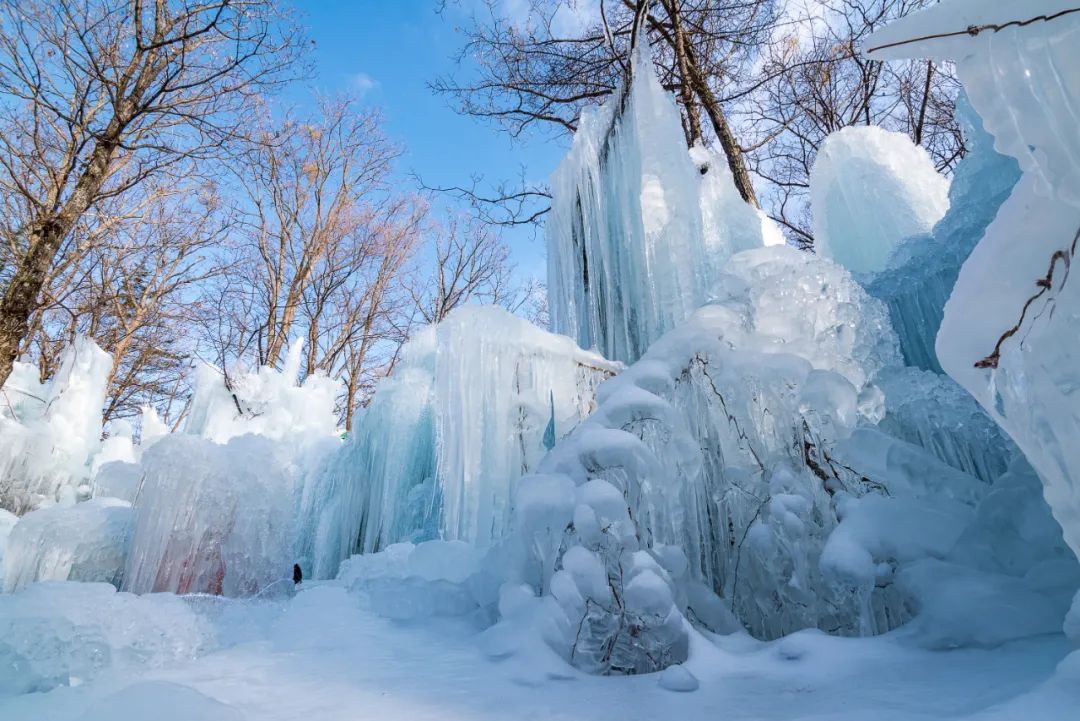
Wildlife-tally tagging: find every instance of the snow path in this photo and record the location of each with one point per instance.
(325, 657)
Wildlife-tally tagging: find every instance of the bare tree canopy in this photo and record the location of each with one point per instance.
(764, 80)
(99, 96)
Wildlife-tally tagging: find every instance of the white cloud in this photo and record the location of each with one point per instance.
(362, 83)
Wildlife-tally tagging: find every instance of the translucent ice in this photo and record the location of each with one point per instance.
(49, 432)
(627, 258)
(63, 633)
(923, 270)
(1010, 328)
(870, 189)
(85, 542)
(211, 518)
(440, 449)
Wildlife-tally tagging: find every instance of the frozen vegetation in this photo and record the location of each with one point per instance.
(736, 472)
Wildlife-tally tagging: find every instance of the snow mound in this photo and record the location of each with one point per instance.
(161, 701)
(870, 189)
(85, 542)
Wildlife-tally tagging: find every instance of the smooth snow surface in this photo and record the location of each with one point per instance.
(327, 655)
(871, 189)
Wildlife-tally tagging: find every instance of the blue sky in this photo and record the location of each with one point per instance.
(387, 51)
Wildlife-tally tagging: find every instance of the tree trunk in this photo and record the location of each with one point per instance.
(693, 121)
(734, 153)
(736, 159)
(21, 296)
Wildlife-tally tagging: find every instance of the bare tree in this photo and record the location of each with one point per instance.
(311, 189)
(764, 83)
(470, 263)
(98, 96)
(134, 290)
(542, 71)
(815, 81)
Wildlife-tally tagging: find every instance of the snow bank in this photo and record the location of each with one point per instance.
(439, 451)
(49, 432)
(63, 634)
(85, 542)
(870, 189)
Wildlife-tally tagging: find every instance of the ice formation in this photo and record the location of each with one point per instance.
(1010, 326)
(63, 634)
(871, 189)
(439, 450)
(706, 484)
(215, 507)
(211, 518)
(49, 432)
(932, 411)
(729, 224)
(921, 274)
(266, 402)
(85, 542)
(626, 255)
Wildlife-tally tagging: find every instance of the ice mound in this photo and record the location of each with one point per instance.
(439, 450)
(211, 518)
(870, 189)
(63, 633)
(430, 579)
(921, 273)
(49, 432)
(706, 470)
(85, 542)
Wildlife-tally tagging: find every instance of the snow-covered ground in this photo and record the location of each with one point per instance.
(324, 654)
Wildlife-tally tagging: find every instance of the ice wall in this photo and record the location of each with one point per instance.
(1010, 329)
(215, 507)
(870, 189)
(211, 518)
(921, 274)
(439, 450)
(49, 432)
(626, 256)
